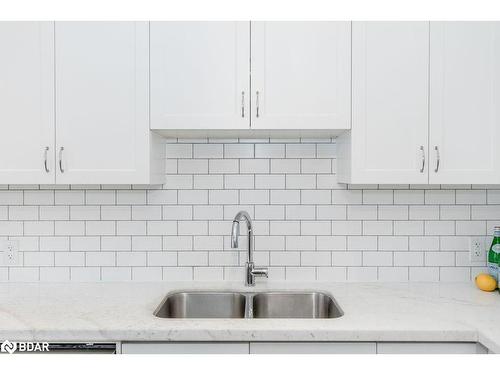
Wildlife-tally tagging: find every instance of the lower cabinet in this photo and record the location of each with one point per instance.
(313, 348)
(302, 348)
(185, 348)
(430, 348)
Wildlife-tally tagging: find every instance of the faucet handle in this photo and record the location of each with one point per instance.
(260, 272)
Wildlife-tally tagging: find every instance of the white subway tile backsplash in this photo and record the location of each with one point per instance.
(439, 258)
(147, 274)
(208, 182)
(285, 196)
(23, 213)
(239, 151)
(239, 182)
(54, 212)
(54, 244)
(296, 181)
(35, 197)
(269, 181)
(54, 274)
(393, 274)
(66, 197)
(87, 243)
(439, 197)
(15, 198)
(307, 226)
(471, 197)
(212, 151)
(270, 151)
(362, 274)
(179, 181)
(362, 212)
(223, 166)
(285, 166)
(410, 258)
(192, 166)
(254, 166)
(424, 274)
(298, 150)
(332, 274)
(378, 197)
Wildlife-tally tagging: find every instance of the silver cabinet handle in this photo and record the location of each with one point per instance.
(257, 105)
(243, 104)
(61, 159)
(437, 159)
(45, 161)
(423, 159)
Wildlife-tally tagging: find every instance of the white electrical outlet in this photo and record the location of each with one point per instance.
(10, 253)
(477, 250)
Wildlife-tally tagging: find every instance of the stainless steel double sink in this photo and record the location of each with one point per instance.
(240, 305)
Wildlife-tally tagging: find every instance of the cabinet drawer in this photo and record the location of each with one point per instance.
(313, 348)
(430, 348)
(184, 348)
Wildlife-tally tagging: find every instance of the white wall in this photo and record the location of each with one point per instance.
(307, 226)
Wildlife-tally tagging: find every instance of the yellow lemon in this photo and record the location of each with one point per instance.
(486, 282)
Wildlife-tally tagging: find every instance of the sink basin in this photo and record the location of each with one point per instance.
(298, 305)
(207, 305)
(230, 305)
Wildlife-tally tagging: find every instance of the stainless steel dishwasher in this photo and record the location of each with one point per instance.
(81, 348)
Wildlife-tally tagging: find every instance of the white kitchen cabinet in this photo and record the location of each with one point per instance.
(200, 75)
(388, 142)
(102, 107)
(301, 75)
(313, 348)
(302, 348)
(430, 348)
(184, 348)
(464, 103)
(201, 78)
(27, 103)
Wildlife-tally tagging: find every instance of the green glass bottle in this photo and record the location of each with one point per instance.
(494, 254)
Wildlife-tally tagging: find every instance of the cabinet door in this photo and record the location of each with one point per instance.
(312, 348)
(27, 103)
(430, 348)
(102, 102)
(390, 102)
(200, 75)
(301, 75)
(185, 348)
(465, 103)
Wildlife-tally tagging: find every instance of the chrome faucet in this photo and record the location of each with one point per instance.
(251, 270)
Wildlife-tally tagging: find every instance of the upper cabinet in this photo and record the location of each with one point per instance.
(301, 75)
(423, 113)
(390, 75)
(27, 103)
(102, 107)
(465, 103)
(78, 99)
(200, 75)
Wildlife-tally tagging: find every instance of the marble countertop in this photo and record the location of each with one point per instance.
(372, 312)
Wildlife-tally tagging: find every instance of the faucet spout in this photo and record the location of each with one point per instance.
(251, 270)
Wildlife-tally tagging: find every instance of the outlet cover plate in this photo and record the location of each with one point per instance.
(10, 250)
(477, 249)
